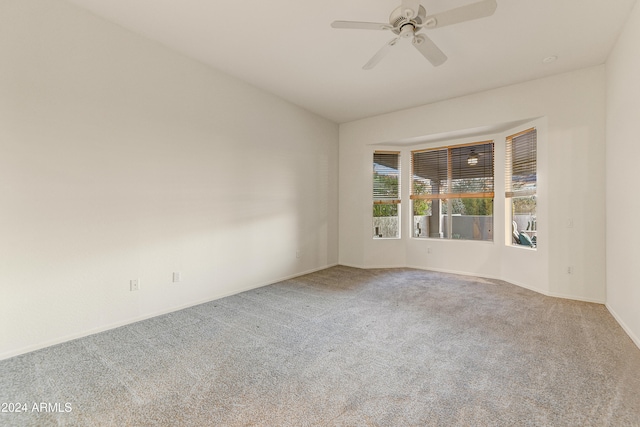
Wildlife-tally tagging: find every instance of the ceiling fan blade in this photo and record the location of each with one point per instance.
(469, 12)
(410, 8)
(429, 50)
(354, 25)
(380, 54)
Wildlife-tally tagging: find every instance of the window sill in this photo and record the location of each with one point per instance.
(437, 239)
(523, 247)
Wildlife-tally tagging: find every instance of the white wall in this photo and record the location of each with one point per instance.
(623, 204)
(571, 108)
(120, 159)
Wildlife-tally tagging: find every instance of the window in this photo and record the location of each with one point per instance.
(452, 192)
(386, 194)
(521, 186)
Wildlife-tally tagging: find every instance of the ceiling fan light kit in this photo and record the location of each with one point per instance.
(472, 160)
(410, 17)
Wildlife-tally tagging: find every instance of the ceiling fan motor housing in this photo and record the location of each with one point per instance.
(404, 26)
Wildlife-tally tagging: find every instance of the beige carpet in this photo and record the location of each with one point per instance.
(344, 347)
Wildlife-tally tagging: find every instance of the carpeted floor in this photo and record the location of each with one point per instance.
(344, 347)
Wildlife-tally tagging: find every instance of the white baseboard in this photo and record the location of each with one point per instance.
(468, 274)
(575, 298)
(71, 337)
(373, 267)
(460, 273)
(634, 337)
(352, 266)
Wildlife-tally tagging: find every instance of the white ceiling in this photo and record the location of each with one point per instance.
(288, 48)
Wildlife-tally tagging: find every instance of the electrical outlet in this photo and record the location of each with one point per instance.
(570, 223)
(569, 270)
(429, 249)
(298, 254)
(134, 285)
(177, 277)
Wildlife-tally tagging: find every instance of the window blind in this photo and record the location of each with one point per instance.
(463, 171)
(386, 177)
(521, 164)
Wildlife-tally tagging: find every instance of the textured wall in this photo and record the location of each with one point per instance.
(623, 203)
(120, 159)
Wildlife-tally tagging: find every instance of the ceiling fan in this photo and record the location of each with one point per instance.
(410, 17)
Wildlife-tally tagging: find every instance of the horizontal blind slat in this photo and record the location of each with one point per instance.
(386, 176)
(448, 173)
(521, 164)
